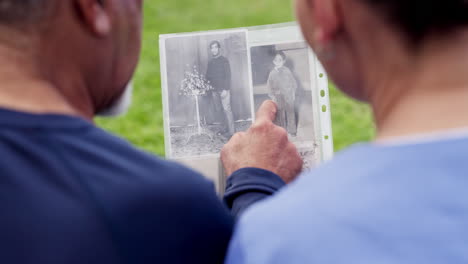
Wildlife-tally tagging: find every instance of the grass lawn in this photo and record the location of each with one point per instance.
(143, 125)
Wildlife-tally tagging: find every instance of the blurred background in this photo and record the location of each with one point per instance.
(143, 125)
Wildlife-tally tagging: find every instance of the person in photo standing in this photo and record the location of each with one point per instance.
(219, 76)
(282, 88)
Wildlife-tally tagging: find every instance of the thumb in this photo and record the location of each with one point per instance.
(267, 111)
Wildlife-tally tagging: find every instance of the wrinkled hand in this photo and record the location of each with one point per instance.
(265, 146)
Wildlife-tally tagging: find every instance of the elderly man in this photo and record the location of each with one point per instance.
(70, 192)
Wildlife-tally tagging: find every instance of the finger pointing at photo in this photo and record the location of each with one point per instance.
(265, 146)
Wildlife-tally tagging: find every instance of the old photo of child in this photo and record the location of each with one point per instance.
(282, 87)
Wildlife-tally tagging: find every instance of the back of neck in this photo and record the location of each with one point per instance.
(431, 95)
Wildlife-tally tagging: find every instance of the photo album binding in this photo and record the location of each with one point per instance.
(213, 82)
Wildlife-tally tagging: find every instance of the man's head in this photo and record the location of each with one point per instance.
(279, 59)
(86, 48)
(215, 48)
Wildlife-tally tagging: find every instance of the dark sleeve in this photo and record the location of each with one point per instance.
(208, 72)
(248, 186)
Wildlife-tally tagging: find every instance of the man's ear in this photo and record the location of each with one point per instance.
(95, 16)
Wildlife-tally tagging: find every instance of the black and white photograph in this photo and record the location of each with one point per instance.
(281, 72)
(208, 81)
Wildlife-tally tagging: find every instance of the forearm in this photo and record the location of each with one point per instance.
(248, 186)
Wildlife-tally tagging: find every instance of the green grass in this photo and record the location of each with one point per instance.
(143, 125)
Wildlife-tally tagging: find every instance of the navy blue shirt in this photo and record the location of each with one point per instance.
(72, 193)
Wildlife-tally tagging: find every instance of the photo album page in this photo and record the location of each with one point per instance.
(213, 83)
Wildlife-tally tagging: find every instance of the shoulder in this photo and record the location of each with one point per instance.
(105, 154)
(292, 219)
(315, 208)
(316, 189)
(365, 190)
(147, 200)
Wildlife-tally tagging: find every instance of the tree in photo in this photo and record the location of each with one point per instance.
(195, 84)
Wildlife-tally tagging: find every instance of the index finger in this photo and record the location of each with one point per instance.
(267, 111)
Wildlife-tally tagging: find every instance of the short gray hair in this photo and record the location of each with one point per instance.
(22, 11)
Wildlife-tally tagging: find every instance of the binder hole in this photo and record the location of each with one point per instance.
(322, 93)
(324, 108)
